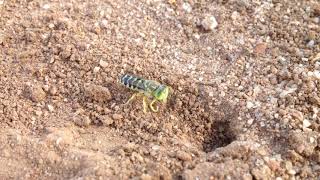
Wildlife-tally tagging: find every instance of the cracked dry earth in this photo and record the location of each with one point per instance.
(245, 100)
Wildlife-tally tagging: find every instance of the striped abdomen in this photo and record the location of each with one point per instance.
(133, 82)
(139, 84)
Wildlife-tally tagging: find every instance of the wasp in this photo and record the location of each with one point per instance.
(149, 89)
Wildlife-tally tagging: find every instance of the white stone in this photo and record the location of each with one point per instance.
(234, 15)
(316, 74)
(292, 172)
(46, 6)
(51, 26)
(306, 123)
(311, 43)
(250, 121)
(50, 108)
(250, 105)
(104, 23)
(316, 20)
(156, 147)
(209, 23)
(103, 63)
(312, 139)
(197, 36)
(187, 7)
(96, 69)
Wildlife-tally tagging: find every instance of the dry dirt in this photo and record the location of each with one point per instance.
(245, 100)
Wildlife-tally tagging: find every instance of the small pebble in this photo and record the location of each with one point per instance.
(46, 88)
(235, 15)
(187, 7)
(53, 90)
(155, 147)
(209, 23)
(249, 105)
(311, 43)
(38, 113)
(184, 156)
(46, 6)
(288, 165)
(306, 123)
(117, 116)
(292, 172)
(97, 93)
(316, 57)
(36, 94)
(284, 93)
(196, 35)
(260, 48)
(250, 121)
(297, 114)
(51, 26)
(96, 69)
(312, 139)
(316, 20)
(50, 108)
(82, 121)
(106, 120)
(104, 23)
(103, 63)
(316, 74)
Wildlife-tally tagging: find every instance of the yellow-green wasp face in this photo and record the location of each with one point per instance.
(161, 93)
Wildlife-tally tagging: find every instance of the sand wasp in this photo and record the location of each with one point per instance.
(146, 88)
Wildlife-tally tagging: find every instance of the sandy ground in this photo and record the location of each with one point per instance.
(245, 100)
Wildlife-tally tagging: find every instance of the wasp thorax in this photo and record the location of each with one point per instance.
(161, 93)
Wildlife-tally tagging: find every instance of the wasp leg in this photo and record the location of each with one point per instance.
(145, 106)
(151, 106)
(132, 97)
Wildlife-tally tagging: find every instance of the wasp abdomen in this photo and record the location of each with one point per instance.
(133, 82)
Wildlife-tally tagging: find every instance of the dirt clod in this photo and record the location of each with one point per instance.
(97, 93)
(117, 116)
(106, 120)
(300, 142)
(53, 90)
(82, 121)
(36, 93)
(59, 136)
(184, 156)
(260, 48)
